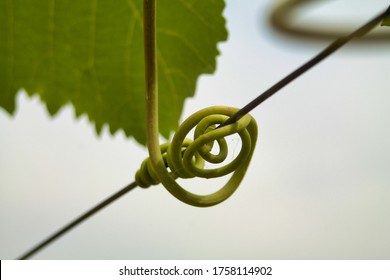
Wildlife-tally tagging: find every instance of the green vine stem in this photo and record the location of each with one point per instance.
(151, 85)
(183, 156)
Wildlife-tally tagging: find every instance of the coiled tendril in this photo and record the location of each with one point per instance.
(185, 158)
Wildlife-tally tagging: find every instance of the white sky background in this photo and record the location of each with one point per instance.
(318, 186)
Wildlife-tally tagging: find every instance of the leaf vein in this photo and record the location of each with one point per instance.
(92, 42)
(127, 54)
(169, 78)
(10, 45)
(187, 44)
(197, 15)
(50, 25)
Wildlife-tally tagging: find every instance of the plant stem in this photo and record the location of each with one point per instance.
(150, 53)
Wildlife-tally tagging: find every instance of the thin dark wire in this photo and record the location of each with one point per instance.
(77, 221)
(322, 55)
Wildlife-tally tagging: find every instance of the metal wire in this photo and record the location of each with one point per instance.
(312, 62)
(76, 222)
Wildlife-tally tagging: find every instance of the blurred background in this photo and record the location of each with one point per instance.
(318, 186)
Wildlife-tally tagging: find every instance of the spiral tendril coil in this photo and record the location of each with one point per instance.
(186, 158)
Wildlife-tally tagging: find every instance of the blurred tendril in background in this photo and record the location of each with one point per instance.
(286, 18)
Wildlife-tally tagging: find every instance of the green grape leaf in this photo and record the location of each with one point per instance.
(90, 53)
(386, 20)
